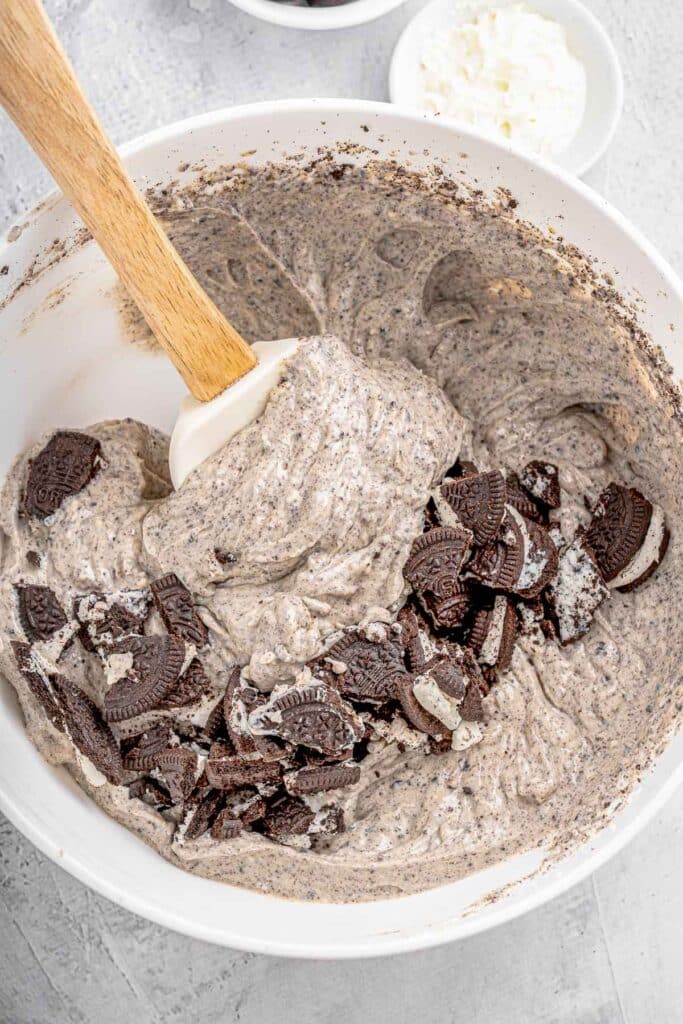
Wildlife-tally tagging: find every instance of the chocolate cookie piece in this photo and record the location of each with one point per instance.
(435, 560)
(151, 793)
(494, 632)
(157, 661)
(628, 536)
(230, 771)
(40, 613)
(540, 557)
(239, 699)
(215, 723)
(522, 560)
(245, 805)
(413, 651)
(450, 610)
(479, 502)
(288, 816)
(542, 481)
(439, 691)
(199, 818)
(452, 672)
(577, 591)
(38, 682)
(191, 685)
(139, 753)
(472, 709)
(440, 746)
(105, 618)
(497, 564)
(65, 465)
(372, 669)
(178, 767)
(618, 528)
(88, 731)
(311, 715)
(418, 717)
(533, 615)
(176, 607)
(225, 827)
(321, 778)
(518, 497)
(462, 467)
(648, 559)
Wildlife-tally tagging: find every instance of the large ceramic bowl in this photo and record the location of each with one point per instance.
(63, 361)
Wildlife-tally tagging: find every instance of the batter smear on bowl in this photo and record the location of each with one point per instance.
(421, 615)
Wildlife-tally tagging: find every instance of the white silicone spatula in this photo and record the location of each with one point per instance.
(228, 381)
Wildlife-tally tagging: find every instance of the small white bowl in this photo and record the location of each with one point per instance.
(353, 12)
(586, 38)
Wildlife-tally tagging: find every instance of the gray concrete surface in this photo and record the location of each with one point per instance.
(610, 950)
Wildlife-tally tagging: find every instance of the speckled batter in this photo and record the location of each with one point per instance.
(319, 500)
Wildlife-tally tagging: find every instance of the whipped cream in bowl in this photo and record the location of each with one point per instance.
(423, 276)
(543, 77)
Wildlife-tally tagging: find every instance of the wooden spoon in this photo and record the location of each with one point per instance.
(40, 91)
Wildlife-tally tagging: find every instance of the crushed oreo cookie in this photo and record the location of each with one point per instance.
(140, 752)
(189, 688)
(311, 715)
(320, 778)
(225, 827)
(478, 501)
(200, 817)
(230, 771)
(628, 536)
(66, 464)
(105, 618)
(90, 733)
(577, 591)
(156, 663)
(491, 566)
(38, 682)
(40, 613)
(366, 670)
(288, 816)
(178, 768)
(542, 481)
(176, 607)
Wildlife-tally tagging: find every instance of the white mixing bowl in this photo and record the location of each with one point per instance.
(63, 362)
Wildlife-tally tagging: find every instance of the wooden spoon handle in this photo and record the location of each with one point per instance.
(40, 92)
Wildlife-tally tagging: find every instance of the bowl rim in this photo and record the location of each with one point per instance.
(356, 12)
(460, 928)
(402, 53)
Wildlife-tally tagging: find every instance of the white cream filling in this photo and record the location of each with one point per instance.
(466, 735)
(93, 775)
(490, 649)
(535, 559)
(436, 702)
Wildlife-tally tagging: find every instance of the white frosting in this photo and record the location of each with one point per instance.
(511, 73)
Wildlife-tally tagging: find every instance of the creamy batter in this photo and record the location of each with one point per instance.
(448, 329)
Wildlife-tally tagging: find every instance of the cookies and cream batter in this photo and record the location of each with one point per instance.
(449, 331)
